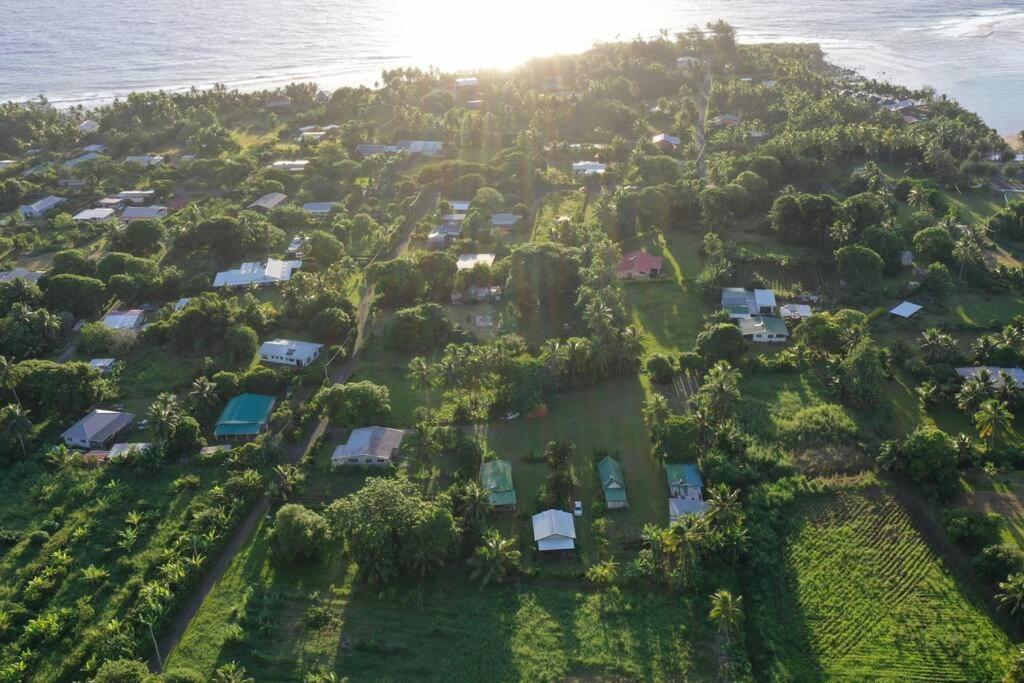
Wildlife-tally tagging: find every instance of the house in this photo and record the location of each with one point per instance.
(268, 202)
(505, 221)
(291, 166)
(104, 365)
(244, 417)
(145, 160)
(685, 490)
(23, 273)
(453, 218)
(476, 293)
(687, 62)
(135, 196)
(905, 310)
(665, 141)
(764, 328)
(795, 311)
(143, 212)
(459, 206)
(97, 429)
(319, 208)
(376, 446)
(111, 203)
(470, 261)
(290, 352)
(124, 320)
(742, 303)
(725, 121)
(426, 148)
(93, 215)
(467, 82)
(613, 483)
(312, 135)
(119, 450)
(71, 163)
(368, 150)
(273, 272)
(97, 148)
(554, 531)
(41, 207)
(995, 374)
(638, 264)
(496, 477)
(278, 102)
(443, 235)
(588, 168)
(88, 127)
(181, 303)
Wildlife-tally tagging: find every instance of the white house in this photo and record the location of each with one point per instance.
(742, 303)
(88, 127)
(268, 202)
(97, 429)
(467, 82)
(319, 208)
(41, 207)
(764, 328)
(119, 450)
(459, 205)
(139, 212)
(135, 196)
(470, 261)
(145, 160)
(376, 446)
(290, 352)
(93, 215)
(443, 235)
(111, 203)
(124, 320)
(291, 166)
(273, 272)
(554, 530)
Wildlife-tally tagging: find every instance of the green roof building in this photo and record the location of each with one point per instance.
(613, 483)
(244, 417)
(496, 477)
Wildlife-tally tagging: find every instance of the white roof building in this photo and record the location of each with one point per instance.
(97, 429)
(273, 272)
(98, 148)
(319, 208)
(39, 208)
(119, 450)
(88, 126)
(504, 220)
(93, 215)
(665, 139)
(554, 530)
(290, 352)
(795, 311)
(135, 196)
(124, 320)
(145, 160)
(23, 273)
(427, 148)
(469, 261)
(89, 156)
(138, 212)
(181, 303)
(459, 205)
(677, 507)
(111, 203)
(588, 168)
(291, 166)
(376, 446)
(905, 309)
(268, 201)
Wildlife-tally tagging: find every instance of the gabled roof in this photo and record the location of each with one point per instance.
(554, 530)
(496, 477)
(252, 273)
(764, 298)
(289, 347)
(504, 219)
(665, 138)
(93, 215)
(245, 414)
(763, 324)
(379, 442)
(468, 261)
(319, 207)
(612, 480)
(132, 213)
(639, 260)
(677, 507)
(268, 201)
(123, 320)
(98, 426)
(683, 474)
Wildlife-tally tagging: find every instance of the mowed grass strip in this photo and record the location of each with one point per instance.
(875, 601)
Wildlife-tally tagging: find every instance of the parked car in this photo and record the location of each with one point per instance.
(577, 508)
(509, 416)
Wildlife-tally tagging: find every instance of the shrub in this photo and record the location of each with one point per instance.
(317, 617)
(122, 671)
(660, 368)
(299, 533)
(996, 562)
(972, 529)
(821, 425)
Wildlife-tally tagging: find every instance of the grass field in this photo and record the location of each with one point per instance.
(859, 594)
(1003, 494)
(445, 629)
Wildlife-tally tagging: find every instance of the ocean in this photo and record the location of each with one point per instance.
(90, 51)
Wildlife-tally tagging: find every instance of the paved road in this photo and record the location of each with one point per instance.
(292, 454)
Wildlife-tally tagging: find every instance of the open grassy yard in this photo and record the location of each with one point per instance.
(1002, 494)
(859, 594)
(390, 368)
(555, 205)
(445, 629)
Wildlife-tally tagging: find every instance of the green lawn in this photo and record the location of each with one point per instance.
(853, 591)
(554, 206)
(390, 368)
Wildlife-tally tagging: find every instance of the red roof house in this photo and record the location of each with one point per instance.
(638, 264)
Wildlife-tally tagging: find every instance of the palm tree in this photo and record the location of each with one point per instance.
(232, 673)
(917, 198)
(724, 508)
(475, 504)
(288, 477)
(421, 374)
(17, 425)
(992, 419)
(928, 393)
(8, 378)
(203, 396)
(973, 393)
(726, 611)
(656, 411)
(165, 414)
(720, 390)
(983, 348)
(1012, 595)
(494, 558)
(966, 250)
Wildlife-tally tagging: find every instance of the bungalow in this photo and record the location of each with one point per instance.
(268, 202)
(88, 127)
(427, 148)
(443, 235)
(181, 303)
(554, 531)
(588, 168)
(725, 121)
(290, 352)
(111, 203)
(143, 212)
(665, 141)
(71, 163)
(368, 150)
(273, 272)
(319, 208)
(41, 207)
(496, 477)
(613, 483)
(278, 102)
(23, 273)
(505, 221)
(93, 215)
(244, 417)
(470, 261)
(312, 135)
(145, 160)
(905, 310)
(124, 320)
(104, 365)
(97, 429)
(995, 374)
(135, 196)
(453, 218)
(764, 328)
(460, 206)
(685, 490)
(742, 303)
(291, 166)
(638, 264)
(376, 446)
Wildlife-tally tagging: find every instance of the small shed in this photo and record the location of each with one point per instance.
(613, 483)
(905, 310)
(554, 531)
(496, 477)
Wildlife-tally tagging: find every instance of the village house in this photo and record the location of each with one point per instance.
(126, 320)
(375, 446)
(906, 309)
(469, 82)
(613, 483)
(554, 531)
(278, 103)
(295, 246)
(725, 121)
(273, 272)
(665, 142)
(291, 166)
(290, 352)
(145, 160)
(72, 163)
(426, 148)
(443, 235)
(795, 311)
(268, 202)
(93, 215)
(496, 477)
(505, 221)
(120, 450)
(685, 490)
(763, 328)
(23, 273)
(638, 264)
(743, 303)
(319, 208)
(40, 208)
(133, 213)
(99, 148)
(244, 417)
(588, 168)
(470, 261)
(459, 206)
(111, 203)
(97, 429)
(88, 127)
(135, 196)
